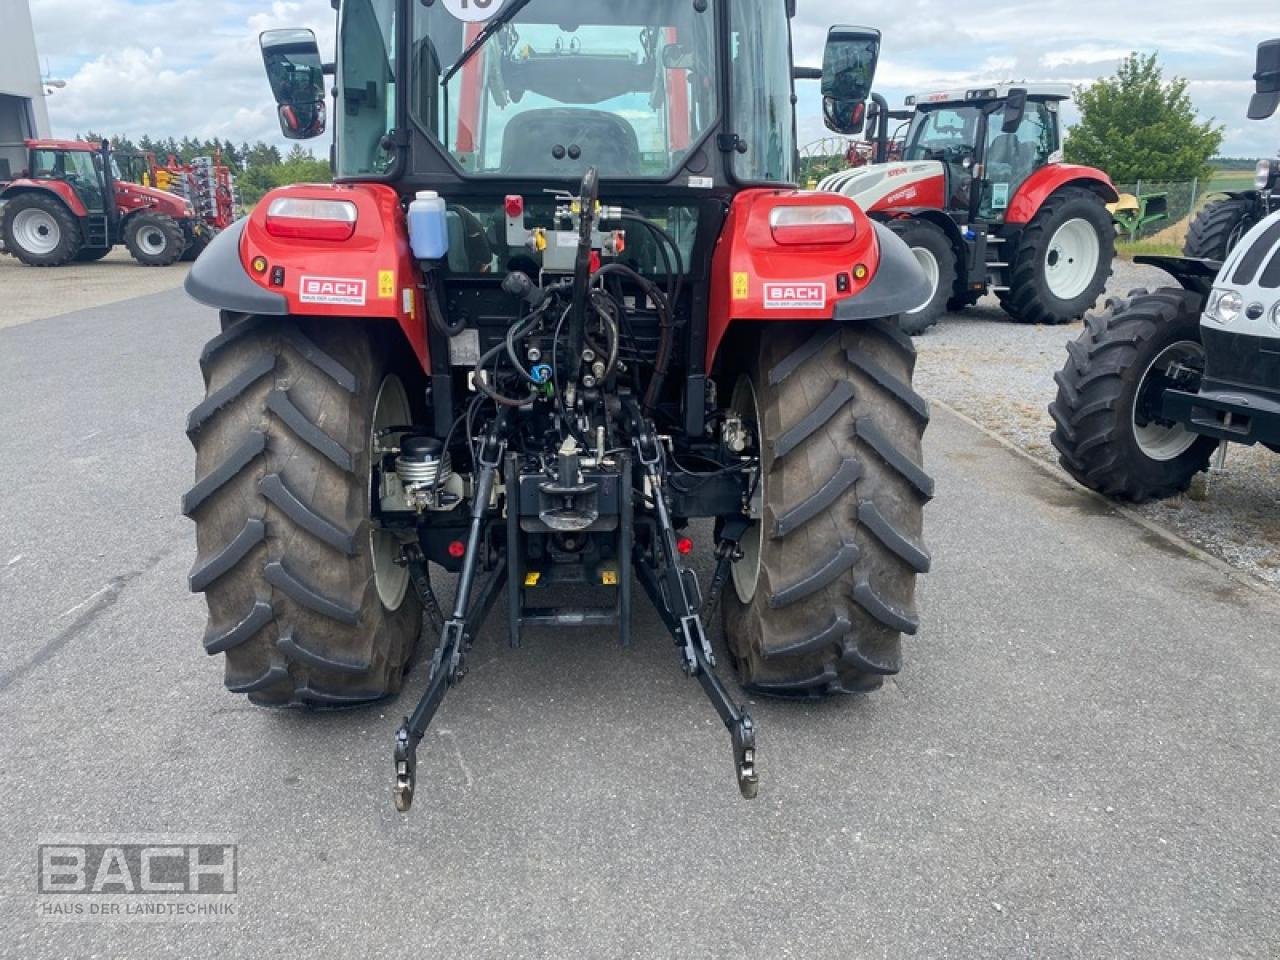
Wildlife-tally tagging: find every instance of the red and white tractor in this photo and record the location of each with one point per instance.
(986, 205)
(71, 204)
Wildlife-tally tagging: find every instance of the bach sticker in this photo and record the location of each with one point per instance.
(473, 11)
(795, 296)
(332, 290)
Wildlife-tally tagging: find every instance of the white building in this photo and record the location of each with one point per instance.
(22, 109)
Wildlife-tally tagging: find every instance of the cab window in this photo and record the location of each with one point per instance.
(1012, 157)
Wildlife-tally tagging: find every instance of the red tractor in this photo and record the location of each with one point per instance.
(985, 203)
(563, 300)
(71, 204)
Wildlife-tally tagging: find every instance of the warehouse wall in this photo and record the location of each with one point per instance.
(22, 107)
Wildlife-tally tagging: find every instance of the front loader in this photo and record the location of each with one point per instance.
(562, 301)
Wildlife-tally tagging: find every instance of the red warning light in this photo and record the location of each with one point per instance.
(685, 546)
(515, 206)
(457, 549)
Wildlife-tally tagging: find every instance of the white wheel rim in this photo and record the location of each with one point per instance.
(929, 263)
(391, 409)
(36, 231)
(151, 240)
(1158, 441)
(746, 572)
(1072, 260)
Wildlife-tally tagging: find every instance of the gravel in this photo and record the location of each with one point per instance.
(35, 293)
(1001, 374)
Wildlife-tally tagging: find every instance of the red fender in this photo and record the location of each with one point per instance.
(58, 188)
(755, 278)
(371, 274)
(1049, 179)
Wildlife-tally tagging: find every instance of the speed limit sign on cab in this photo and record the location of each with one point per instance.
(473, 11)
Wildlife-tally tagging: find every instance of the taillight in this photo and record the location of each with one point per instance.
(814, 223)
(311, 219)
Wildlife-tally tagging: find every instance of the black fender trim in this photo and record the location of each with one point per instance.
(899, 284)
(1192, 274)
(217, 279)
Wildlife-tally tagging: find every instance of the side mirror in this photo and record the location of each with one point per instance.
(848, 71)
(296, 75)
(1015, 108)
(1267, 78)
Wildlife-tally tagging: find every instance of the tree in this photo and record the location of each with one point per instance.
(1135, 125)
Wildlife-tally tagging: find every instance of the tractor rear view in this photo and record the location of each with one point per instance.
(986, 205)
(71, 204)
(562, 302)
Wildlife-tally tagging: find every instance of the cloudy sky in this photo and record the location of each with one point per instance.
(174, 67)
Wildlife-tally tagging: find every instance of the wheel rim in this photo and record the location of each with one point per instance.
(1159, 441)
(36, 231)
(1072, 259)
(746, 572)
(391, 409)
(1237, 233)
(152, 241)
(929, 263)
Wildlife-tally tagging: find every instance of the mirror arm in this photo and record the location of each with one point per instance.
(806, 73)
(329, 69)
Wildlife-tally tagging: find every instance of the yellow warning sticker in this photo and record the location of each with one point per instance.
(386, 284)
(609, 578)
(741, 286)
(531, 578)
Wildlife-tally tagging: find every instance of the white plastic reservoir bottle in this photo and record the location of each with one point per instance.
(429, 226)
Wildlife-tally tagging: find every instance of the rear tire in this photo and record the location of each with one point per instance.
(196, 246)
(1218, 227)
(933, 251)
(1060, 263)
(39, 230)
(286, 554)
(1106, 439)
(154, 240)
(826, 587)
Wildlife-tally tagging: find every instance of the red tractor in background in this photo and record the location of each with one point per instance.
(985, 203)
(71, 204)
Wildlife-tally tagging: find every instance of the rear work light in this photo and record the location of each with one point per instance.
(309, 219)
(829, 223)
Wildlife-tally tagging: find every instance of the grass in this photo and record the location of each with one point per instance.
(1151, 248)
(1231, 180)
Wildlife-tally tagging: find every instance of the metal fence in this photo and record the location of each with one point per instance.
(1164, 208)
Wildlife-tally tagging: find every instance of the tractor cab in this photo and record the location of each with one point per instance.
(77, 164)
(994, 138)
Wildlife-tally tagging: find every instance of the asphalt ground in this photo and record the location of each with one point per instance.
(32, 293)
(1077, 761)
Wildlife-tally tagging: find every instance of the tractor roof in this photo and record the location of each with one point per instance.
(998, 91)
(77, 145)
